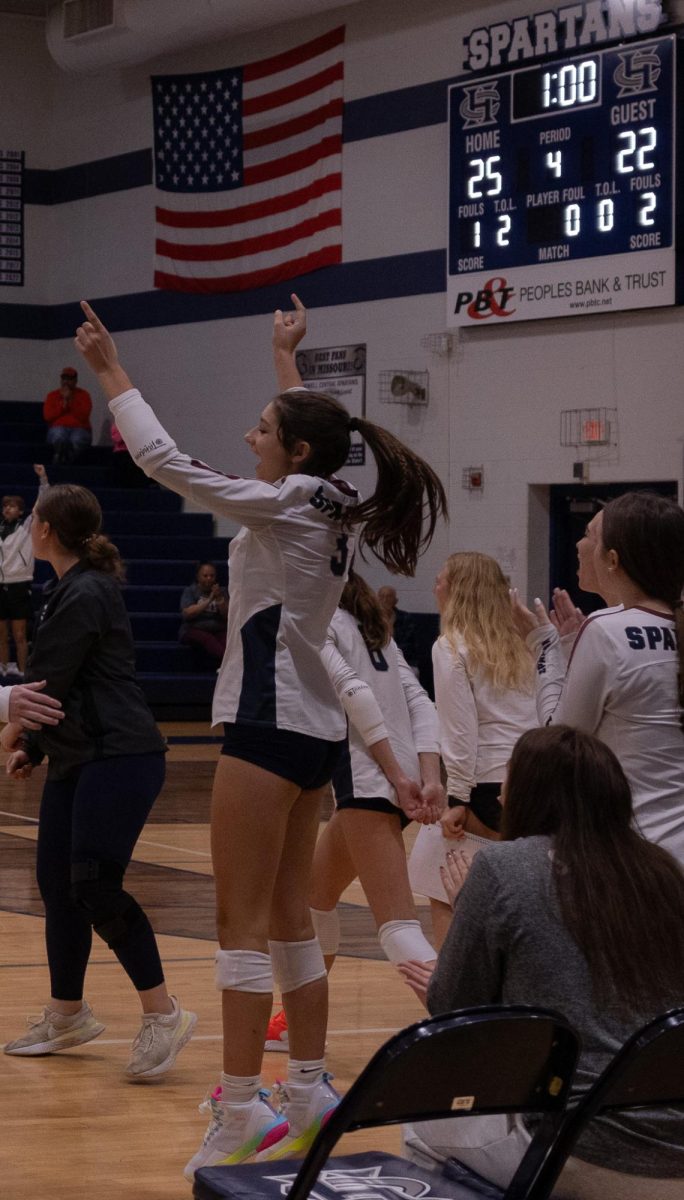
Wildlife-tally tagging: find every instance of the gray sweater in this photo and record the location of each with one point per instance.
(507, 944)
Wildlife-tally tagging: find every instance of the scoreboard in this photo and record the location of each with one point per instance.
(562, 186)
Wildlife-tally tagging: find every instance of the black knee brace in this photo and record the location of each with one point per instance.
(96, 888)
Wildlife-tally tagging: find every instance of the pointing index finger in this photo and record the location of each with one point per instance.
(91, 315)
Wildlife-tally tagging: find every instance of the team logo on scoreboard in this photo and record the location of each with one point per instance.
(638, 71)
(480, 104)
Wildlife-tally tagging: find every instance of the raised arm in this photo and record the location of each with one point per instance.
(288, 330)
(248, 501)
(96, 344)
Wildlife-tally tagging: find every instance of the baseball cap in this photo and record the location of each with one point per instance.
(69, 373)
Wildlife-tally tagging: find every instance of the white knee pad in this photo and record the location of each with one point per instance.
(243, 971)
(296, 963)
(403, 941)
(326, 923)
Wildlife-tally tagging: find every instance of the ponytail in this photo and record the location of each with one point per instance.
(361, 602)
(400, 517)
(103, 555)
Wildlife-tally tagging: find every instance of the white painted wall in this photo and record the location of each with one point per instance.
(495, 401)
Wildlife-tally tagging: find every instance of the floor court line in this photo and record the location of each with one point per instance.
(140, 842)
(218, 1037)
(178, 849)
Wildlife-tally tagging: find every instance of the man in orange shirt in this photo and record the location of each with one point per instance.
(67, 411)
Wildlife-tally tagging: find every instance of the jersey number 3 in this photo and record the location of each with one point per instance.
(338, 562)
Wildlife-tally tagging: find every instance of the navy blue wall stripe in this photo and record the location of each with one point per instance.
(98, 178)
(372, 116)
(349, 283)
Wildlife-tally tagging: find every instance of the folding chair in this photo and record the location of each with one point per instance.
(476, 1061)
(648, 1071)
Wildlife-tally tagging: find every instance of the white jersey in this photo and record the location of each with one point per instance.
(399, 710)
(479, 723)
(5, 693)
(288, 566)
(621, 685)
(16, 550)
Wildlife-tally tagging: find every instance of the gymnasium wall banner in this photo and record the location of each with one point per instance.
(12, 218)
(562, 181)
(341, 371)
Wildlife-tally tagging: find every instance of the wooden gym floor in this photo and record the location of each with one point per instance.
(71, 1126)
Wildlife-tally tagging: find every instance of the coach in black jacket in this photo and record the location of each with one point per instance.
(106, 768)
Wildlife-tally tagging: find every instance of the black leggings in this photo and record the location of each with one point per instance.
(89, 824)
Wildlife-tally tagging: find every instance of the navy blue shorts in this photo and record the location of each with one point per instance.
(15, 602)
(376, 804)
(307, 761)
(484, 803)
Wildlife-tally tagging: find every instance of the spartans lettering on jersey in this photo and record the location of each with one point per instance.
(653, 637)
(574, 25)
(331, 508)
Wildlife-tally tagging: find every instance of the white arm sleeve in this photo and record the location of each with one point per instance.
(458, 721)
(248, 501)
(5, 693)
(355, 696)
(545, 644)
(576, 697)
(424, 723)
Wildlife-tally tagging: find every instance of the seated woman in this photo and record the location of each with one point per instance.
(204, 608)
(574, 911)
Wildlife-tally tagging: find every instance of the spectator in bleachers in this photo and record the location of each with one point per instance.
(204, 608)
(16, 577)
(67, 411)
(401, 624)
(124, 472)
(574, 911)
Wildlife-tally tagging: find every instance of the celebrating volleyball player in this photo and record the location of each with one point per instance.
(388, 776)
(625, 680)
(283, 723)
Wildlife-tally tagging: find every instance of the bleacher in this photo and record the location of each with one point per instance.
(159, 543)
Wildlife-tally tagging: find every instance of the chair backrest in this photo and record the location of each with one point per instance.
(647, 1072)
(479, 1060)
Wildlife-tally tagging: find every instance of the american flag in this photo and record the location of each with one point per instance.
(249, 161)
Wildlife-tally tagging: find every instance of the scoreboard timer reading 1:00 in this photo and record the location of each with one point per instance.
(562, 186)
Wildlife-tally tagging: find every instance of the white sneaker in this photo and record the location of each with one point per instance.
(13, 669)
(160, 1039)
(205, 1105)
(307, 1109)
(237, 1131)
(52, 1032)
